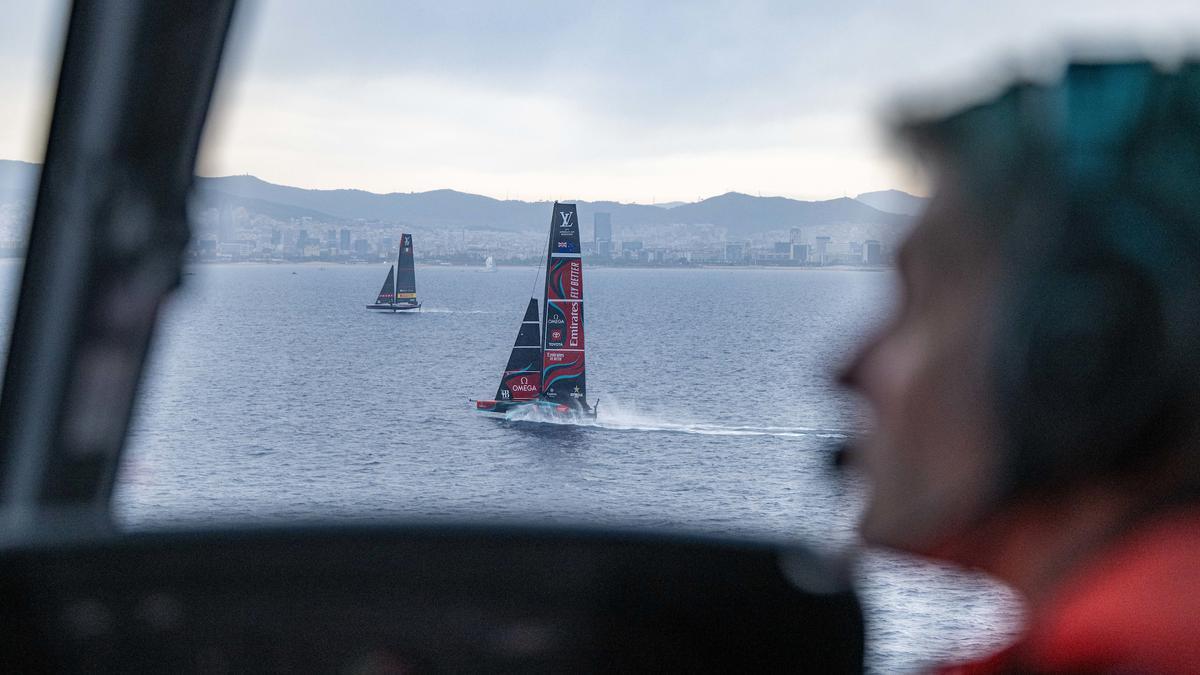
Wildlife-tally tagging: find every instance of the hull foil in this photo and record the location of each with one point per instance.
(394, 308)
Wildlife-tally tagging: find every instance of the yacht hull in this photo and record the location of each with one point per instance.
(545, 407)
(394, 308)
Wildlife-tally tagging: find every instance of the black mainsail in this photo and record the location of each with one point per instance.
(400, 288)
(564, 378)
(406, 273)
(522, 377)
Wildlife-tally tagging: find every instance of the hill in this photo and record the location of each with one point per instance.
(742, 215)
(894, 201)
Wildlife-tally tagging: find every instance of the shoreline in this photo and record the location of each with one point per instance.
(593, 266)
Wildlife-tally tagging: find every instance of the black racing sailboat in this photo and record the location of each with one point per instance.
(546, 366)
(399, 290)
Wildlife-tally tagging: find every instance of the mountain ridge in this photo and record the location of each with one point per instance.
(740, 214)
(894, 201)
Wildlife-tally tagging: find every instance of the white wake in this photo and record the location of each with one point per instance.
(619, 417)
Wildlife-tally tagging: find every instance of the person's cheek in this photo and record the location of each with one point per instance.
(896, 369)
(948, 454)
(887, 453)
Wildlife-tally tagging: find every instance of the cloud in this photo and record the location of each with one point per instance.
(612, 98)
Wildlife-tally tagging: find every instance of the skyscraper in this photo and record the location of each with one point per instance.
(601, 227)
(873, 252)
(735, 252)
(822, 250)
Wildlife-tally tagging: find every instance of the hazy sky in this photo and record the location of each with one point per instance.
(634, 101)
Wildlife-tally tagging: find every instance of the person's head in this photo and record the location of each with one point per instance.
(1048, 335)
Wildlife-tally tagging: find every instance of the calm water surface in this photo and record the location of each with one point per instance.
(274, 393)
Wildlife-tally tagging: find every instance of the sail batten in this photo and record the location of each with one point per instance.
(564, 376)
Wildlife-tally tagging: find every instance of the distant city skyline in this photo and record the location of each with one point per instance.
(623, 101)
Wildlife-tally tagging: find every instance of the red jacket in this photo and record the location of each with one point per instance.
(1135, 608)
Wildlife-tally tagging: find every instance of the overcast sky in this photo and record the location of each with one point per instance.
(633, 101)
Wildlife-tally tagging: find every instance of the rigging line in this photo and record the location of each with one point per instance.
(538, 268)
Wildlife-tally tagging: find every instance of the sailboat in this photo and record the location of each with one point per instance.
(546, 365)
(399, 292)
(489, 265)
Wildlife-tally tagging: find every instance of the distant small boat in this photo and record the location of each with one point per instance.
(546, 367)
(399, 292)
(489, 265)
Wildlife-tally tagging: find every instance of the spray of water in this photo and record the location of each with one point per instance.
(619, 416)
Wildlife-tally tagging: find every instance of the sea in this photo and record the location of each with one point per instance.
(272, 393)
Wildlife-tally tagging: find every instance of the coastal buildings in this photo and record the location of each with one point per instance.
(231, 234)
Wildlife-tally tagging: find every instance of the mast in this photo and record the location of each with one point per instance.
(406, 273)
(522, 377)
(564, 378)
